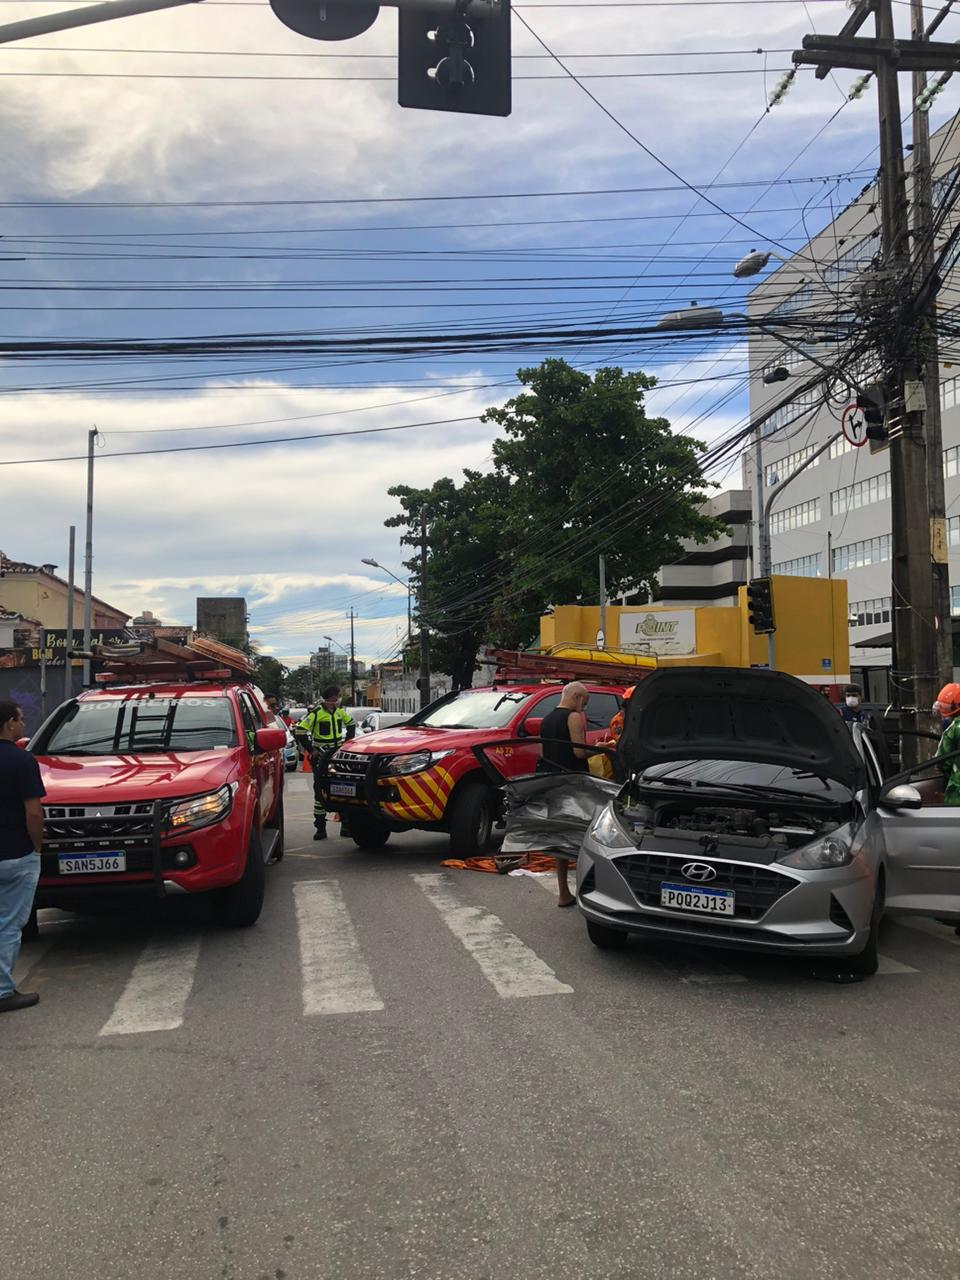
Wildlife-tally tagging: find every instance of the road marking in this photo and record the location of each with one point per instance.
(942, 932)
(506, 962)
(335, 976)
(31, 957)
(157, 991)
(886, 964)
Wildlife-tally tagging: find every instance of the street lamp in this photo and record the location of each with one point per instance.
(752, 263)
(353, 666)
(375, 564)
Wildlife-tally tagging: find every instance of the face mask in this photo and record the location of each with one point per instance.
(853, 702)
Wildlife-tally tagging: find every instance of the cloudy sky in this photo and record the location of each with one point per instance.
(206, 171)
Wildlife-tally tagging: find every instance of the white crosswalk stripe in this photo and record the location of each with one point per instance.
(887, 964)
(506, 962)
(334, 973)
(933, 928)
(156, 994)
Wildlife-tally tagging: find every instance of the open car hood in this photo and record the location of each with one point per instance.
(723, 713)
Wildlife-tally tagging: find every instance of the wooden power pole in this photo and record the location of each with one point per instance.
(904, 292)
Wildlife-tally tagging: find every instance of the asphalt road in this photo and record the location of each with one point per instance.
(410, 1072)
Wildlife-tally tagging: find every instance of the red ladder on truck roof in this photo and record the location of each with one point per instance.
(520, 667)
(142, 661)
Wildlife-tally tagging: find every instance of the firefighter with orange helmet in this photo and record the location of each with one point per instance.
(947, 706)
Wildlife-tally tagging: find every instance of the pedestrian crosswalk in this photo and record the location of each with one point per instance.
(335, 973)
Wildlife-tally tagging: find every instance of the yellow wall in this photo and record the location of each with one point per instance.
(45, 599)
(810, 614)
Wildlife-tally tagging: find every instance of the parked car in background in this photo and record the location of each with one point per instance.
(751, 817)
(291, 752)
(376, 719)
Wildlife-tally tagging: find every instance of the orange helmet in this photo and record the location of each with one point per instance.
(628, 693)
(948, 701)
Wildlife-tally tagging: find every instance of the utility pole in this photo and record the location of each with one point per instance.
(88, 560)
(920, 600)
(353, 664)
(67, 661)
(424, 681)
(603, 604)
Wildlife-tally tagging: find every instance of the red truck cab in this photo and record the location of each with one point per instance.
(423, 775)
(163, 787)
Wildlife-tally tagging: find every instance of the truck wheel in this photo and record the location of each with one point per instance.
(471, 822)
(239, 905)
(276, 824)
(367, 834)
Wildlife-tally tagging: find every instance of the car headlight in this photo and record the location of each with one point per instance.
(606, 830)
(830, 852)
(414, 762)
(200, 811)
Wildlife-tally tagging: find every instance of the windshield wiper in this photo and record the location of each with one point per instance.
(762, 790)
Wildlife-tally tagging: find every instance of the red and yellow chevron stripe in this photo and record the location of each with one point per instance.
(423, 796)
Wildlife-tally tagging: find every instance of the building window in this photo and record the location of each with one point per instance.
(801, 403)
(862, 494)
(802, 567)
(953, 531)
(799, 300)
(948, 392)
(955, 601)
(795, 517)
(854, 259)
(857, 554)
(840, 446)
(870, 613)
(778, 471)
(951, 461)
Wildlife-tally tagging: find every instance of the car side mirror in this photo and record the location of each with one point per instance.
(901, 796)
(270, 739)
(22, 743)
(531, 726)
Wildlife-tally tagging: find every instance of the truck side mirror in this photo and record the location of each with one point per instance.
(531, 726)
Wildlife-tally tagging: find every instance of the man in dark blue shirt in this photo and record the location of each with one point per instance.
(21, 835)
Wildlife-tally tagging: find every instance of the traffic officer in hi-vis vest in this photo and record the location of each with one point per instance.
(320, 732)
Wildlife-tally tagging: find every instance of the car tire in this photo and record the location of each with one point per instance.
(471, 823)
(367, 834)
(607, 939)
(276, 824)
(239, 905)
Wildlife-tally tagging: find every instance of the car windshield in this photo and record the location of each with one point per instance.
(484, 709)
(747, 775)
(141, 726)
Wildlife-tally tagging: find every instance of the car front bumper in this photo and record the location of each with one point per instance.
(779, 909)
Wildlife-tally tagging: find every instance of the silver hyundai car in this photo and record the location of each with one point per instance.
(748, 815)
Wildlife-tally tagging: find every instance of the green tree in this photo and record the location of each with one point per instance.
(579, 471)
(271, 674)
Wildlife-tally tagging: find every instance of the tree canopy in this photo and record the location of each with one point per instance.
(579, 471)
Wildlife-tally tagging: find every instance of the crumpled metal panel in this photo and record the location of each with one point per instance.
(550, 813)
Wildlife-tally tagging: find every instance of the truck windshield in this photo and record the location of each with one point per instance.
(485, 709)
(141, 726)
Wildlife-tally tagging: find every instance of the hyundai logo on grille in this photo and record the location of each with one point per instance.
(699, 871)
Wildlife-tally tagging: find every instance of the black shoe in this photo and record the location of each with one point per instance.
(18, 1000)
(320, 833)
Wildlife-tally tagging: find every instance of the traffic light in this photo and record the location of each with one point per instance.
(760, 605)
(872, 403)
(452, 62)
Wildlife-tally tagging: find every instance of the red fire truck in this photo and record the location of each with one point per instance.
(423, 775)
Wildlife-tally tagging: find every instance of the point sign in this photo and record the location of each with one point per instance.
(853, 424)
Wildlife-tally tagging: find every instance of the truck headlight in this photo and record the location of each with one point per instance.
(414, 762)
(606, 830)
(200, 811)
(829, 852)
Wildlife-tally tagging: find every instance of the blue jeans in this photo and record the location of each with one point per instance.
(18, 883)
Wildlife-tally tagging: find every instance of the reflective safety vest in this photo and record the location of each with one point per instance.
(327, 728)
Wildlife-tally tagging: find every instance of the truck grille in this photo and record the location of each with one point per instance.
(101, 828)
(350, 764)
(757, 888)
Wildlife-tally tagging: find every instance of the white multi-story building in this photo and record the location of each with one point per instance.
(834, 518)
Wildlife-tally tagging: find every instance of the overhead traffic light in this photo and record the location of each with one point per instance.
(872, 403)
(455, 61)
(760, 605)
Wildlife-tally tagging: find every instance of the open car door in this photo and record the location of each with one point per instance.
(546, 812)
